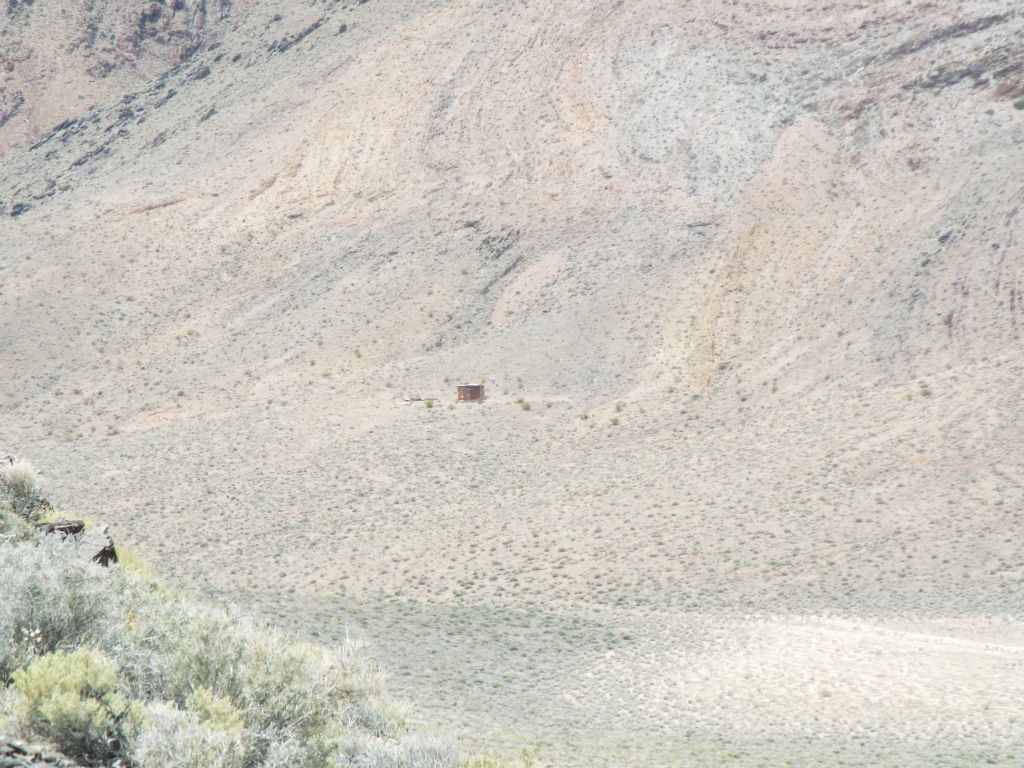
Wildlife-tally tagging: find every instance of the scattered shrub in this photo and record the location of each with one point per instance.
(12, 527)
(526, 759)
(71, 700)
(19, 486)
(380, 717)
(413, 752)
(112, 667)
(215, 710)
(51, 599)
(169, 736)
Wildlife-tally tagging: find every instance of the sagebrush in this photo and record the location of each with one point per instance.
(109, 665)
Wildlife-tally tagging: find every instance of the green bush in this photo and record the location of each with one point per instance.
(215, 710)
(175, 648)
(71, 699)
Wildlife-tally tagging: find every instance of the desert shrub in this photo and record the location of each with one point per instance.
(175, 647)
(283, 751)
(302, 691)
(12, 527)
(19, 487)
(71, 699)
(170, 736)
(51, 599)
(526, 759)
(380, 717)
(215, 710)
(179, 646)
(112, 666)
(415, 751)
(215, 672)
(291, 685)
(294, 700)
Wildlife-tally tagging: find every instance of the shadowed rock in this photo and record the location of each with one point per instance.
(63, 528)
(19, 754)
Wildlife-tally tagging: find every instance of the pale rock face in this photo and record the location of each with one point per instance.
(58, 59)
(755, 268)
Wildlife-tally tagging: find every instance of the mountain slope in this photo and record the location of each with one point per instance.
(59, 58)
(743, 282)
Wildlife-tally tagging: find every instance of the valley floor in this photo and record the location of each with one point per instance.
(531, 581)
(649, 689)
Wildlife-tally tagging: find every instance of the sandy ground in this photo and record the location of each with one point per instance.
(744, 284)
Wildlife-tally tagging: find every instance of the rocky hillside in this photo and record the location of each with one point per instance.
(59, 59)
(822, 176)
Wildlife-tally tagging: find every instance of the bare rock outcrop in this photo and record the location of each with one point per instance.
(58, 59)
(21, 754)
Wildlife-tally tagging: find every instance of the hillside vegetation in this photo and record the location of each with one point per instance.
(112, 667)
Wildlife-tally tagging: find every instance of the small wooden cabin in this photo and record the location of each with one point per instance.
(469, 393)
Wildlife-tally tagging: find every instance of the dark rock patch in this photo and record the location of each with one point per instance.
(282, 45)
(960, 29)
